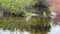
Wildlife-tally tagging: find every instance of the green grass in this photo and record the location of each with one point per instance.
(20, 23)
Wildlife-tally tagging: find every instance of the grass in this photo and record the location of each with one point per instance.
(21, 23)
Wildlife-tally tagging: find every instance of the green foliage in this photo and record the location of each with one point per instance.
(16, 5)
(21, 23)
